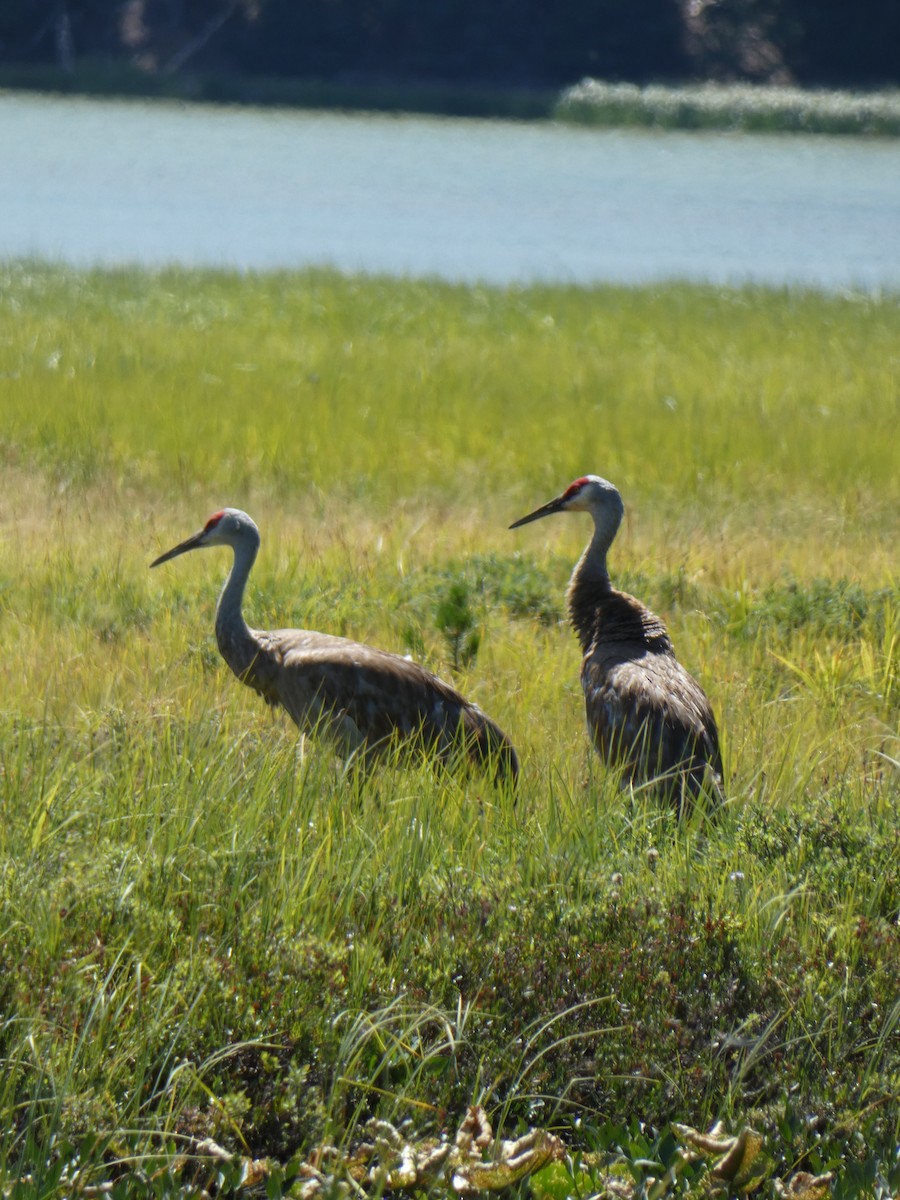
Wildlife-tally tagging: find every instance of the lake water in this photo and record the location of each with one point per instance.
(87, 182)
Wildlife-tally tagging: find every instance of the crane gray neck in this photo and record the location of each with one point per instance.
(592, 564)
(590, 579)
(235, 639)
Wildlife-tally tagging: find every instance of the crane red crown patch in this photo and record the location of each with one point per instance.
(215, 519)
(575, 487)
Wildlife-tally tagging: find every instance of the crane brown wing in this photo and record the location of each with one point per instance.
(649, 714)
(380, 693)
(366, 697)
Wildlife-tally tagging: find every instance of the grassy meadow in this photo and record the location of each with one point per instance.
(747, 107)
(212, 933)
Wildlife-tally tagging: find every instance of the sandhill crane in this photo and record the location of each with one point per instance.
(645, 713)
(365, 699)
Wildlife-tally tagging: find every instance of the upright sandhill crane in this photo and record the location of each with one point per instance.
(365, 699)
(644, 711)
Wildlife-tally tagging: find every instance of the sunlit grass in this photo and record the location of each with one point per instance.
(209, 928)
(414, 394)
(766, 109)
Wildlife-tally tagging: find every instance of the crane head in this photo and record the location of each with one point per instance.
(590, 494)
(227, 527)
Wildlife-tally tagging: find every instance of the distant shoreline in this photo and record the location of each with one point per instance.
(727, 107)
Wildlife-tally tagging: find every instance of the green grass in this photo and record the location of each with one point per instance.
(748, 107)
(208, 929)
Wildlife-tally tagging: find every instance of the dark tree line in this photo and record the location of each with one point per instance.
(523, 43)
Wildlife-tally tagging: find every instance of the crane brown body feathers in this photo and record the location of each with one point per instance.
(366, 700)
(646, 714)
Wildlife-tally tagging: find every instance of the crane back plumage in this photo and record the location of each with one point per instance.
(365, 700)
(645, 713)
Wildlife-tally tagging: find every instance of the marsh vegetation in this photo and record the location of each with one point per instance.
(208, 929)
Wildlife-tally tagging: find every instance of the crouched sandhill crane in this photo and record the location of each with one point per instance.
(365, 699)
(645, 712)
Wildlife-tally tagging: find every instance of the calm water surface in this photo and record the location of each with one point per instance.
(121, 182)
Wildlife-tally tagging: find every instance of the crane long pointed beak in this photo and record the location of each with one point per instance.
(546, 510)
(192, 543)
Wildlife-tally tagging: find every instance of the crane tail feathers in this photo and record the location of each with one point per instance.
(489, 747)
